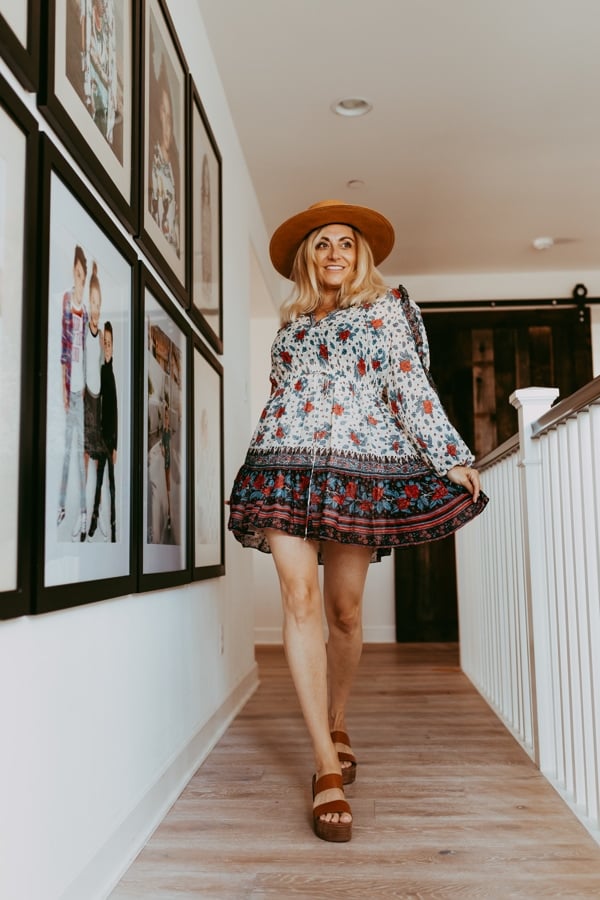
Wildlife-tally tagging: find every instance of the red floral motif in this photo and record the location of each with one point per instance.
(300, 335)
(375, 364)
(413, 491)
(427, 407)
(279, 412)
(378, 493)
(402, 502)
(323, 351)
(376, 323)
(372, 420)
(298, 386)
(308, 407)
(337, 409)
(451, 448)
(354, 438)
(394, 407)
(279, 482)
(351, 489)
(344, 334)
(279, 432)
(405, 365)
(440, 492)
(286, 357)
(361, 367)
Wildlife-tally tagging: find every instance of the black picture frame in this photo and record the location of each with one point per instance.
(90, 94)
(83, 561)
(20, 39)
(206, 223)
(163, 391)
(19, 165)
(208, 520)
(164, 227)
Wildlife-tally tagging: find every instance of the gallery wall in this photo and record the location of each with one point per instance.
(108, 707)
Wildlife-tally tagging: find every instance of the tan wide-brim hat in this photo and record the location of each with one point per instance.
(374, 227)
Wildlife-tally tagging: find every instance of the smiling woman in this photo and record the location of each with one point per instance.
(353, 455)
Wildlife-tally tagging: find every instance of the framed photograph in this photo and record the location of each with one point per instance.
(91, 93)
(88, 290)
(18, 195)
(164, 227)
(164, 511)
(20, 39)
(207, 472)
(206, 308)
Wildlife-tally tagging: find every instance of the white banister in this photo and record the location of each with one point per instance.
(528, 575)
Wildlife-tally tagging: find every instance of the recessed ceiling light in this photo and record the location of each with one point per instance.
(351, 106)
(543, 243)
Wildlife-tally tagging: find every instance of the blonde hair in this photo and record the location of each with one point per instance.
(365, 285)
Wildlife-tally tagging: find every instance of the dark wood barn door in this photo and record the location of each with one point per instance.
(478, 359)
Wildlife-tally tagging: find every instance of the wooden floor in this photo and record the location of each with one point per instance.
(446, 804)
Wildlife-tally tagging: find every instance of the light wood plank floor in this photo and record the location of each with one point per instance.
(446, 804)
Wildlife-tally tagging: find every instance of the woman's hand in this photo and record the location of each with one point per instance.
(467, 478)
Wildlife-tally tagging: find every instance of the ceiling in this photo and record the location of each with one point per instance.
(484, 132)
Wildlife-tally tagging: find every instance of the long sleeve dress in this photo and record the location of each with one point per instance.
(353, 444)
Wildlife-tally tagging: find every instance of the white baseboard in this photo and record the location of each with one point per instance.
(104, 871)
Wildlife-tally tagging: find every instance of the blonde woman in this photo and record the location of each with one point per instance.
(353, 456)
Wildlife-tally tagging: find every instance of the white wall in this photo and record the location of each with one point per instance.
(379, 606)
(107, 709)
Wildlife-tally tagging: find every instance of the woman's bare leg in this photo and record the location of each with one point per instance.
(296, 561)
(346, 567)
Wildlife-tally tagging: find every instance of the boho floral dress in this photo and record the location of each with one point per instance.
(353, 444)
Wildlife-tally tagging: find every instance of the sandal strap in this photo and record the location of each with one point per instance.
(340, 737)
(326, 782)
(334, 806)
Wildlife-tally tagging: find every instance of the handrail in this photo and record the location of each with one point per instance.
(567, 408)
(494, 456)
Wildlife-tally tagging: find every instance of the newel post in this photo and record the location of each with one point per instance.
(531, 403)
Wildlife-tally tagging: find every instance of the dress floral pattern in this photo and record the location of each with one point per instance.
(353, 444)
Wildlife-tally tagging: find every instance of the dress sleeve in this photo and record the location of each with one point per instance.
(412, 396)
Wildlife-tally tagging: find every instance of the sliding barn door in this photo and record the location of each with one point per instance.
(478, 359)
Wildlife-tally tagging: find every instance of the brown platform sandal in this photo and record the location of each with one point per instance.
(330, 831)
(345, 754)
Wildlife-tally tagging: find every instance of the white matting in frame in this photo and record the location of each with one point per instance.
(16, 14)
(77, 86)
(12, 227)
(164, 511)
(208, 482)
(72, 555)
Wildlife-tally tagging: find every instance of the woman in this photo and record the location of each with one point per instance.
(353, 455)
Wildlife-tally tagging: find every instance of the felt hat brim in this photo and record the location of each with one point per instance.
(374, 227)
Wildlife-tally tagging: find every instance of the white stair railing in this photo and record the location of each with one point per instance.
(528, 574)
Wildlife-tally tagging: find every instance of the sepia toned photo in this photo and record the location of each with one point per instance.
(165, 437)
(164, 206)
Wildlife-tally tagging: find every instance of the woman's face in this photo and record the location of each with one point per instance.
(335, 256)
(95, 303)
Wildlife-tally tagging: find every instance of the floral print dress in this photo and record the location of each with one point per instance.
(353, 444)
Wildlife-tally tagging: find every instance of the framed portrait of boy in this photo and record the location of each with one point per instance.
(164, 228)
(206, 308)
(207, 472)
(88, 289)
(18, 195)
(164, 510)
(90, 93)
(20, 39)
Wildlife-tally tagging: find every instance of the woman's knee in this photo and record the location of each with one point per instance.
(301, 603)
(345, 618)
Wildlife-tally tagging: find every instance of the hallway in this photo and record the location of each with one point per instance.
(446, 803)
